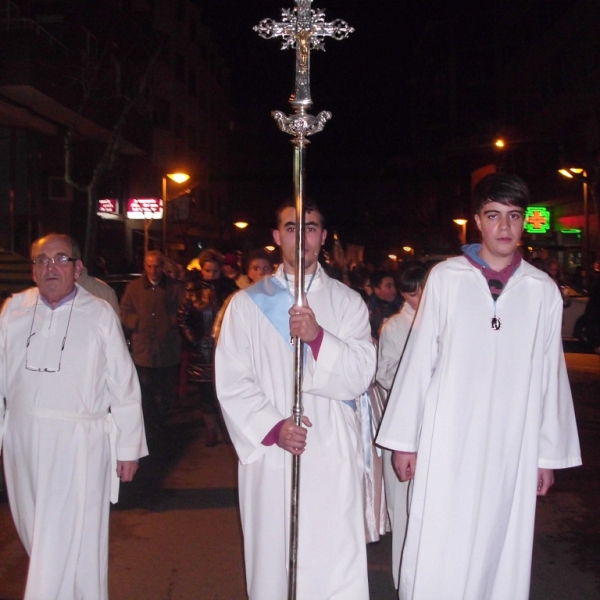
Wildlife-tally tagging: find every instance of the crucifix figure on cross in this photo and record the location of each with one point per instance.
(304, 29)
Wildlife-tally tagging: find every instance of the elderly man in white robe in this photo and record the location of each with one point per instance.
(72, 423)
(254, 378)
(480, 413)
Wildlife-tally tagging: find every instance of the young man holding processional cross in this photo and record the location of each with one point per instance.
(254, 378)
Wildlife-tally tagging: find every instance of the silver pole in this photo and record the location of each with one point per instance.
(303, 29)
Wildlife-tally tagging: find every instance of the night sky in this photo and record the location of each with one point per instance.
(362, 80)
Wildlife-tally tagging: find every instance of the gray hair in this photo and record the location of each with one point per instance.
(75, 250)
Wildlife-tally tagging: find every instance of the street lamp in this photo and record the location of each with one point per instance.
(463, 230)
(241, 224)
(177, 178)
(581, 175)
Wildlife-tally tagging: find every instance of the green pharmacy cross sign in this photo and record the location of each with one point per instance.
(537, 219)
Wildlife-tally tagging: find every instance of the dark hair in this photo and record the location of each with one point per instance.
(359, 277)
(259, 253)
(210, 255)
(378, 276)
(504, 188)
(309, 206)
(412, 276)
(75, 251)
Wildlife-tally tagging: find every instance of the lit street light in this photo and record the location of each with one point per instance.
(581, 175)
(178, 178)
(463, 230)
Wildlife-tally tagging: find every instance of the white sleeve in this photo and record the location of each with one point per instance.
(401, 425)
(559, 441)
(347, 361)
(124, 392)
(392, 340)
(247, 411)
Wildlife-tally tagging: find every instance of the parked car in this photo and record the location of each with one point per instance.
(574, 306)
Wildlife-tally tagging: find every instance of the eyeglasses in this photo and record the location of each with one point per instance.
(60, 260)
(62, 347)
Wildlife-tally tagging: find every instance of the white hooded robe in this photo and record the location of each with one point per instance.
(254, 380)
(392, 340)
(483, 409)
(57, 449)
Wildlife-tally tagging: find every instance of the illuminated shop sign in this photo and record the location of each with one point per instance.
(144, 208)
(537, 219)
(108, 205)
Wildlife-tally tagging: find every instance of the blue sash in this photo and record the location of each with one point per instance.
(274, 301)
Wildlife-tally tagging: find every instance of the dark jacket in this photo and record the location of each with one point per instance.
(196, 317)
(380, 311)
(149, 313)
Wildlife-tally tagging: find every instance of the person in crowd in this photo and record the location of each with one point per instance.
(552, 267)
(384, 302)
(149, 313)
(98, 288)
(72, 423)
(480, 412)
(360, 281)
(254, 377)
(392, 340)
(204, 296)
(230, 267)
(539, 263)
(260, 265)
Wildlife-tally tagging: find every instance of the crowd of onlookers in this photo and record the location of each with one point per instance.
(172, 316)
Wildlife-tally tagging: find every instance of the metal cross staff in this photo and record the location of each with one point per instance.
(304, 29)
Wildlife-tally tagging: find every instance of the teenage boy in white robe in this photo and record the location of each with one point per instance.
(64, 365)
(480, 413)
(254, 379)
(392, 341)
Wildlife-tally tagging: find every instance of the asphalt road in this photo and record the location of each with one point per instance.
(175, 534)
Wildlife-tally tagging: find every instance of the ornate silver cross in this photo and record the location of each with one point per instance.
(304, 29)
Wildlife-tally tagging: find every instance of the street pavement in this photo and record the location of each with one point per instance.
(175, 534)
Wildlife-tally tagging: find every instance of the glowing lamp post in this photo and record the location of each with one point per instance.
(581, 175)
(178, 178)
(463, 230)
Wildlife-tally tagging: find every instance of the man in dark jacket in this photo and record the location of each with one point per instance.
(206, 292)
(149, 312)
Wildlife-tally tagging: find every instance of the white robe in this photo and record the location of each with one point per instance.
(254, 379)
(483, 409)
(392, 340)
(57, 450)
